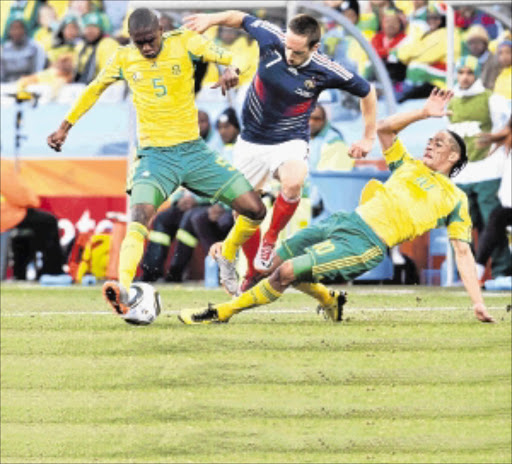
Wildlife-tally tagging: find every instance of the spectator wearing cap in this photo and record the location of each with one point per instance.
(21, 56)
(477, 43)
(475, 110)
(66, 37)
(229, 129)
(94, 52)
(425, 57)
(503, 85)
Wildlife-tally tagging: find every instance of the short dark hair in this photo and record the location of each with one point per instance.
(142, 18)
(460, 148)
(304, 24)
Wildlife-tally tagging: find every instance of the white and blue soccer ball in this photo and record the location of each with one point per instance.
(145, 304)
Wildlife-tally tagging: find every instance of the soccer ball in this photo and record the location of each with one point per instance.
(145, 304)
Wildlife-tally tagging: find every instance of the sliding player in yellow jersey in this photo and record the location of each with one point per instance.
(419, 196)
(159, 70)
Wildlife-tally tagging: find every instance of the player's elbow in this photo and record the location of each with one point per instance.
(383, 127)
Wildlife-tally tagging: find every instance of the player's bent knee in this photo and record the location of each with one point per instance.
(250, 205)
(285, 275)
(142, 213)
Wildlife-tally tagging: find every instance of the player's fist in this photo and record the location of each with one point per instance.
(228, 80)
(197, 22)
(360, 149)
(215, 250)
(57, 139)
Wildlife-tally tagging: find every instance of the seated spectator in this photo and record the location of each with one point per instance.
(56, 76)
(206, 131)
(467, 16)
(426, 57)
(80, 8)
(495, 233)
(503, 85)
(18, 209)
(229, 129)
(417, 19)
(383, 42)
(66, 38)
(47, 20)
(95, 51)
(477, 41)
(21, 56)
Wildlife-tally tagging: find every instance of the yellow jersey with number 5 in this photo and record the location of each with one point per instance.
(162, 87)
(413, 200)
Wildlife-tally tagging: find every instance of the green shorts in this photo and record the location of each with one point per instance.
(191, 164)
(342, 245)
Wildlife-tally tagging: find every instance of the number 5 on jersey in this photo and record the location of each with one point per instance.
(160, 88)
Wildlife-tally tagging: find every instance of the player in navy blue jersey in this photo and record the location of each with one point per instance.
(274, 139)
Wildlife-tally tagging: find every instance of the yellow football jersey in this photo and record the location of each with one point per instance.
(413, 200)
(162, 87)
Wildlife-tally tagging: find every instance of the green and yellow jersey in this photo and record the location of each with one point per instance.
(162, 87)
(413, 200)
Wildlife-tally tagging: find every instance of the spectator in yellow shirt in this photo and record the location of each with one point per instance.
(503, 84)
(93, 54)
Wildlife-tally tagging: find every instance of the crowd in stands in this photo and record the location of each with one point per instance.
(57, 42)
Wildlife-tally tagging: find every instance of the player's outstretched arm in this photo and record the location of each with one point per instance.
(203, 21)
(467, 270)
(369, 111)
(435, 107)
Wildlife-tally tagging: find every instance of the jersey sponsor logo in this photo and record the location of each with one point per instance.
(304, 93)
(309, 84)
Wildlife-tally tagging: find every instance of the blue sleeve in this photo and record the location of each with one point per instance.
(341, 78)
(265, 33)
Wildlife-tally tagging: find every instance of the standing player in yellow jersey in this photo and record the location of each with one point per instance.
(419, 196)
(159, 70)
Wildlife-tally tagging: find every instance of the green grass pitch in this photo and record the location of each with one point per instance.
(409, 376)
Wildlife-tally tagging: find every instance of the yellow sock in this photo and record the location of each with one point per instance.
(318, 291)
(261, 294)
(132, 249)
(242, 231)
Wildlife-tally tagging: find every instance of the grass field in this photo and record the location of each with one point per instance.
(395, 382)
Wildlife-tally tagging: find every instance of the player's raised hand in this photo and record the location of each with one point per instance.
(57, 138)
(360, 149)
(435, 106)
(197, 22)
(481, 313)
(228, 80)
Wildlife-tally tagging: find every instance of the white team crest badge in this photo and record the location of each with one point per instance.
(309, 84)
(137, 76)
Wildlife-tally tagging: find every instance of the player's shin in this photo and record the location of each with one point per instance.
(243, 229)
(284, 209)
(131, 253)
(261, 294)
